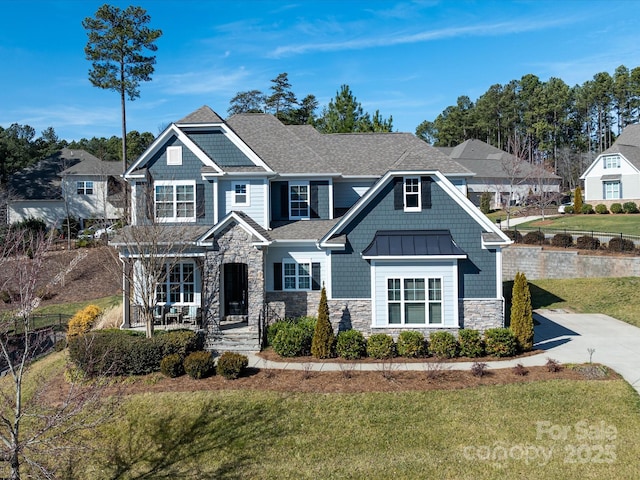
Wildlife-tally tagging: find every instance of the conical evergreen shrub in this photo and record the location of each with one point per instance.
(521, 313)
(323, 336)
(577, 200)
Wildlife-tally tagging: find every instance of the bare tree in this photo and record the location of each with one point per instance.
(37, 433)
(516, 169)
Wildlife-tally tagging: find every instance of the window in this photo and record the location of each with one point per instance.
(409, 302)
(296, 276)
(611, 161)
(240, 194)
(175, 201)
(298, 201)
(178, 284)
(611, 190)
(412, 201)
(84, 188)
(174, 155)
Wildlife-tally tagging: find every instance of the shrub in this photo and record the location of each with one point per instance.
(629, 207)
(479, 369)
(553, 365)
(569, 209)
(586, 209)
(274, 328)
(485, 202)
(181, 342)
(231, 365)
(587, 243)
(83, 320)
(293, 340)
(601, 208)
(563, 240)
(470, 342)
(443, 345)
(616, 208)
(520, 370)
(411, 344)
(380, 345)
(323, 337)
(577, 200)
(514, 235)
(534, 238)
(500, 342)
(617, 244)
(521, 313)
(199, 365)
(351, 345)
(171, 365)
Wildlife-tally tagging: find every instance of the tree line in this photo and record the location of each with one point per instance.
(562, 127)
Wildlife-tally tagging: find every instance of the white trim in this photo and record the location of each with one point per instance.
(247, 193)
(426, 302)
(498, 271)
(330, 198)
(244, 148)
(299, 184)
(233, 216)
(267, 202)
(174, 155)
(405, 193)
(174, 184)
(413, 257)
(216, 201)
(297, 263)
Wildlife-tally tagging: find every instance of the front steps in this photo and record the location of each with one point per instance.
(234, 337)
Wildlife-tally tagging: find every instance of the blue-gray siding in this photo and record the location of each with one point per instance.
(351, 276)
(220, 149)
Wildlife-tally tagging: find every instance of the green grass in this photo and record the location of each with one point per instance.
(71, 308)
(626, 224)
(616, 297)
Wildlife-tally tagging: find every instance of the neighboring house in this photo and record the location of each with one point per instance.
(614, 176)
(507, 178)
(68, 183)
(267, 214)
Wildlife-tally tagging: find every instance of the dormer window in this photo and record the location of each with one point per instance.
(84, 188)
(611, 161)
(412, 194)
(299, 201)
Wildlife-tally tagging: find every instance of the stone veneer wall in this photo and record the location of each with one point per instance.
(537, 263)
(481, 314)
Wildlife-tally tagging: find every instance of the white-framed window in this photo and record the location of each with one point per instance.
(299, 201)
(611, 161)
(414, 301)
(175, 201)
(240, 192)
(174, 155)
(296, 275)
(412, 194)
(611, 190)
(178, 285)
(84, 187)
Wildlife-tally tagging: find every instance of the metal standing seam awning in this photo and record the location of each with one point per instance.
(405, 244)
(610, 177)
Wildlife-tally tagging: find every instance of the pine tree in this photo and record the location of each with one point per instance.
(577, 200)
(521, 312)
(323, 337)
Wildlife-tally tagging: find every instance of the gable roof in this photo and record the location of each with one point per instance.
(203, 115)
(628, 145)
(487, 161)
(42, 180)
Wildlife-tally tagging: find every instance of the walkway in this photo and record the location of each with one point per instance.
(565, 337)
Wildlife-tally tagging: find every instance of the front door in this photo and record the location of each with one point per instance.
(236, 285)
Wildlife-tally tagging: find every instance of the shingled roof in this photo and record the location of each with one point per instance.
(628, 145)
(203, 115)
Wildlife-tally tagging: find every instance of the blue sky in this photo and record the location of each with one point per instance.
(409, 59)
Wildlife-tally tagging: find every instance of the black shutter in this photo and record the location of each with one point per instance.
(426, 191)
(315, 276)
(284, 201)
(277, 276)
(200, 201)
(313, 200)
(398, 193)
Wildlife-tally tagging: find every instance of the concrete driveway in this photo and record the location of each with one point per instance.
(567, 337)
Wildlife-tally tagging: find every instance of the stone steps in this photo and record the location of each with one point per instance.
(241, 340)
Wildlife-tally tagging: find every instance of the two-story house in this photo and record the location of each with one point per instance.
(265, 214)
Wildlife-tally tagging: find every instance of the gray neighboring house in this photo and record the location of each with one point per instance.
(268, 213)
(67, 183)
(614, 176)
(500, 173)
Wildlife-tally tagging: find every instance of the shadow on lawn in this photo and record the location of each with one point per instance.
(214, 443)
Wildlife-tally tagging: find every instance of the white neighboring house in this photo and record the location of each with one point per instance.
(500, 173)
(68, 183)
(614, 176)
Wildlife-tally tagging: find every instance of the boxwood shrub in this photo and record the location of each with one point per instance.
(514, 235)
(443, 345)
(351, 345)
(171, 365)
(470, 342)
(569, 209)
(587, 242)
(601, 208)
(294, 338)
(411, 344)
(587, 209)
(563, 240)
(535, 237)
(629, 207)
(616, 208)
(380, 345)
(231, 365)
(617, 244)
(199, 365)
(500, 342)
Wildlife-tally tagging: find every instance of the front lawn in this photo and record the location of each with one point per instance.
(626, 224)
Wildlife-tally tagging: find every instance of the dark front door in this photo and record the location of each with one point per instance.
(236, 284)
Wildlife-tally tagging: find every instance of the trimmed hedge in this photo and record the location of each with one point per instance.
(563, 240)
(629, 207)
(199, 365)
(380, 345)
(294, 337)
(534, 238)
(171, 366)
(500, 342)
(411, 344)
(587, 209)
(351, 345)
(231, 365)
(470, 342)
(587, 243)
(616, 208)
(617, 244)
(601, 208)
(443, 345)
